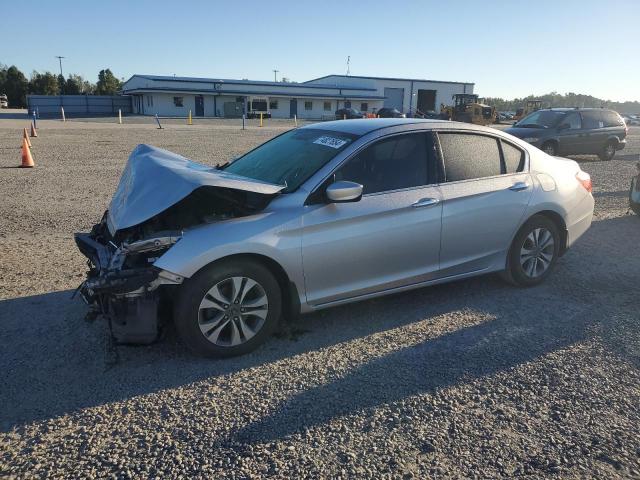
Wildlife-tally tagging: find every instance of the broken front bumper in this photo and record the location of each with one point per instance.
(127, 297)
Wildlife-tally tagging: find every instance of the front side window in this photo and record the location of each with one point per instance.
(291, 158)
(177, 101)
(468, 156)
(391, 164)
(541, 119)
(308, 105)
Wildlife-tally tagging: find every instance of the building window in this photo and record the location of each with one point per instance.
(177, 101)
(347, 104)
(239, 99)
(327, 106)
(273, 104)
(149, 100)
(308, 105)
(364, 107)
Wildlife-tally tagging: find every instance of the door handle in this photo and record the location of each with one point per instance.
(425, 202)
(518, 186)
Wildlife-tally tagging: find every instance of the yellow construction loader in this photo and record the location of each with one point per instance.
(467, 108)
(532, 106)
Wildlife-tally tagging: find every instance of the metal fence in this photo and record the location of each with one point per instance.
(79, 105)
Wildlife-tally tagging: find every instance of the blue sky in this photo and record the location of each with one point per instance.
(508, 48)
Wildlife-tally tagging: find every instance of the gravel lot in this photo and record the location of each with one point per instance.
(471, 379)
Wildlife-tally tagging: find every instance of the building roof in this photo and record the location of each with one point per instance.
(389, 78)
(168, 78)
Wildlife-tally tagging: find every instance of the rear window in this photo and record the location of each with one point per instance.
(611, 119)
(468, 156)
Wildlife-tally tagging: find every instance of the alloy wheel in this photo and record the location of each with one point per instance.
(233, 311)
(537, 252)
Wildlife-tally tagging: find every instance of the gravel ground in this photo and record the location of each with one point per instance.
(471, 379)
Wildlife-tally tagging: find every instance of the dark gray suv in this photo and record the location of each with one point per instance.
(573, 131)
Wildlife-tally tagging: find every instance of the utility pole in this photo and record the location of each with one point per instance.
(275, 75)
(61, 86)
(348, 62)
(60, 60)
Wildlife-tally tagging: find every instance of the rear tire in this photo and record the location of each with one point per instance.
(550, 148)
(228, 308)
(533, 253)
(608, 152)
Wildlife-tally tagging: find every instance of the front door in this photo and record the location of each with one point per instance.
(199, 106)
(390, 238)
(484, 199)
(293, 107)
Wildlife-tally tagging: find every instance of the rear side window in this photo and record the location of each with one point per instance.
(592, 119)
(513, 158)
(612, 119)
(391, 164)
(468, 156)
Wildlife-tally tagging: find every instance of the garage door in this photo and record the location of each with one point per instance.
(394, 97)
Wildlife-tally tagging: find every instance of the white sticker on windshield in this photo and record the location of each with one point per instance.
(330, 142)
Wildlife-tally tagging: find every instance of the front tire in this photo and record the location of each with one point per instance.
(550, 148)
(533, 253)
(608, 152)
(228, 308)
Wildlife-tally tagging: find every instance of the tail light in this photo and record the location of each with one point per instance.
(585, 180)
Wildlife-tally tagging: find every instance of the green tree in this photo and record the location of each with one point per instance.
(43, 84)
(73, 85)
(14, 84)
(107, 84)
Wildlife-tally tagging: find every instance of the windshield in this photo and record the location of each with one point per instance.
(291, 158)
(541, 119)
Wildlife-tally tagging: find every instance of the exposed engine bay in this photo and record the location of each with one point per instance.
(122, 283)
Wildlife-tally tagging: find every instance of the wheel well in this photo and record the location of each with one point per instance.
(562, 227)
(290, 294)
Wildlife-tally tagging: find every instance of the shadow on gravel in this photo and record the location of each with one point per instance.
(54, 363)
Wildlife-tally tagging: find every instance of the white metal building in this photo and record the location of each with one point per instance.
(315, 99)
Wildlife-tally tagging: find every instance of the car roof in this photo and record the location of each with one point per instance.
(575, 109)
(367, 125)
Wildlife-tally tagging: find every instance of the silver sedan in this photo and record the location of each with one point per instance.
(324, 215)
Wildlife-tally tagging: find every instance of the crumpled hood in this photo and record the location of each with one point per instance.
(155, 179)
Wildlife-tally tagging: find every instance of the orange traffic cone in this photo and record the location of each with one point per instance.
(27, 159)
(33, 130)
(26, 137)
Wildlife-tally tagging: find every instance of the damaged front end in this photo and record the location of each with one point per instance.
(123, 285)
(160, 197)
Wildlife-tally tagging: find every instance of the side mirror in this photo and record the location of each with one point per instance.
(343, 191)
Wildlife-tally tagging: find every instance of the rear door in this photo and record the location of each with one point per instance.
(595, 135)
(570, 135)
(388, 239)
(485, 194)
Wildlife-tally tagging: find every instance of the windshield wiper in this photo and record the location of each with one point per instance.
(531, 125)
